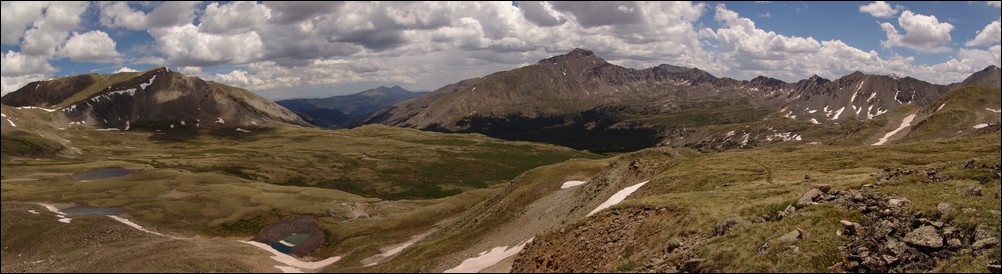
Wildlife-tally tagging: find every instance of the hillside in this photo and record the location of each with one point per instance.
(158, 99)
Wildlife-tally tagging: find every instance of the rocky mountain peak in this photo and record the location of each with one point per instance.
(575, 56)
(989, 77)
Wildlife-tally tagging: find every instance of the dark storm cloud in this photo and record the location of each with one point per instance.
(294, 11)
(535, 13)
(597, 14)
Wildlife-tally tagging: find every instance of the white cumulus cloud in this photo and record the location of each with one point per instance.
(922, 33)
(880, 9)
(92, 46)
(988, 36)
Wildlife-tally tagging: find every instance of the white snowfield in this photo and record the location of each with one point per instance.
(904, 124)
(980, 126)
(488, 258)
(59, 214)
(134, 225)
(570, 184)
(617, 198)
(292, 261)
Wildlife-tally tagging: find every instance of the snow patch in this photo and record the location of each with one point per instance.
(485, 260)
(127, 125)
(814, 121)
(144, 85)
(941, 107)
(474, 89)
(38, 108)
(243, 130)
(59, 214)
(289, 269)
(980, 126)
(620, 196)
(220, 120)
(134, 225)
(292, 261)
(32, 211)
(838, 113)
(730, 133)
(853, 99)
(994, 110)
(812, 111)
(570, 184)
(872, 95)
(785, 137)
(879, 112)
(9, 121)
(744, 140)
(108, 129)
(904, 123)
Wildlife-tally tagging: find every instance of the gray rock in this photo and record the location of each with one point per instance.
(851, 228)
(986, 243)
(808, 198)
(673, 245)
(691, 265)
(792, 237)
(897, 202)
(976, 191)
(924, 237)
(982, 232)
(822, 187)
(722, 227)
(955, 243)
(790, 210)
(944, 209)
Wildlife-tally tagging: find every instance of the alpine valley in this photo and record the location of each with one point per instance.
(571, 164)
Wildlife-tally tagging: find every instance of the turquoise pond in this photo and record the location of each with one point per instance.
(294, 239)
(105, 174)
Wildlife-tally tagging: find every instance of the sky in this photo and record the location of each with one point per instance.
(287, 50)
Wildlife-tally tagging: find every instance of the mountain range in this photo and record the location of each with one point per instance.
(339, 111)
(581, 101)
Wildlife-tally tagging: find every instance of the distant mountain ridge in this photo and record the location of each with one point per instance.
(338, 111)
(156, 99)
(580, 100)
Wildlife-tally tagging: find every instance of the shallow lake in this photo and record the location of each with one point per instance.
(105, 174)
(86, 210)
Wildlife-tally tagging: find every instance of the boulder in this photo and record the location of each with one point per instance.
(944, 209)
(722, 227)
(982, 232)
(808, 198)
(792, 236)
(925, 237)
(986, 243)
(851, 228)
(897, 202)
(822, 187)
(790, 210)
(975, 191)
(994, 268)
(955, 243)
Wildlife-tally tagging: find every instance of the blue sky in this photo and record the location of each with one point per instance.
(290, 50)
